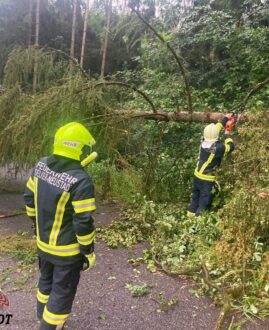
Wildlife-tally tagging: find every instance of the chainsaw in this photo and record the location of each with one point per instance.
(231, 122)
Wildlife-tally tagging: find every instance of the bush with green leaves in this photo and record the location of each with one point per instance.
(138, 290)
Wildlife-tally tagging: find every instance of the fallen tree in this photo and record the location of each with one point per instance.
(180, 116)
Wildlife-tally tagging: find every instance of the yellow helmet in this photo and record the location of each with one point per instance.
(70, 140)
(211, 132)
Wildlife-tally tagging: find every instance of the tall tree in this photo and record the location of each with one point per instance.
(36, 44)
(30, 22)
(73, 37)
(105, 45)
(86, 15)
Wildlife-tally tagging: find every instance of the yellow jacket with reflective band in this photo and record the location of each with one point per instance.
(59, 196)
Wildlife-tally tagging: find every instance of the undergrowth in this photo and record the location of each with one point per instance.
(225, 249)
(23, 250)
(19, 246)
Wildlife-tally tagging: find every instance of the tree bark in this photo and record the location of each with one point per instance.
(36, 44)
(84, 33)
(108, 17)
(184, 116)
(73, 36)
(30, 22)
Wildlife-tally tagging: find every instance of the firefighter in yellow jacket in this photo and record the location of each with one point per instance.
(59, 198)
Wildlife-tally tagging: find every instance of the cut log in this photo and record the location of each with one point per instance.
(180, 116)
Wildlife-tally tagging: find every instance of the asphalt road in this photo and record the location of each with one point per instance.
(103, 302)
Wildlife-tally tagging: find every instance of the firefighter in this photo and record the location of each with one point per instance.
(211, 153)
(59, 198)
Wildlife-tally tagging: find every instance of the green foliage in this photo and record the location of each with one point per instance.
(138, 290)
(164, 304)
(20, 64)
(121, 234)
(14, 27)
(232, 241)
(30, 122)
(159, 172)
(133, 227)
(112, 181)
(224, 50)
(17, 27)
(19, 246)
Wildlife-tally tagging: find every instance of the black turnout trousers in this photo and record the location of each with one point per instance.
(201, 196)
(56, 292)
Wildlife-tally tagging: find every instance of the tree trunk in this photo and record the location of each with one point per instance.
(73, 36)
(30, 22)
(184, 116)
(36, 44)
(108, 17)
(84, 33)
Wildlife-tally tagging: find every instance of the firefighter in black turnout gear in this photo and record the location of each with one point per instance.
(211, 153)
(59, 198)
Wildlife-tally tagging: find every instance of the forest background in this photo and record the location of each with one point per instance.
(101, 62)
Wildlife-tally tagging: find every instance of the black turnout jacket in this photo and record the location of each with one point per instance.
(210, 158)
(59, 198)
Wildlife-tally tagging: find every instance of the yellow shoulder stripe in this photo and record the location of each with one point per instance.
(228, 140)
(219, 125)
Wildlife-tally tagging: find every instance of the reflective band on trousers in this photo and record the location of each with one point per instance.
(43, 298)
(30, 211)
(85, 205)
(60, 250)
(204, 176)
(86, 239)
(54, 319)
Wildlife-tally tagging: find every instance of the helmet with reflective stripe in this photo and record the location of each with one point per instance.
(211, 132)
(70, 140)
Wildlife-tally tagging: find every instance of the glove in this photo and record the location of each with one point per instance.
(89, 261)
(226, 118)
